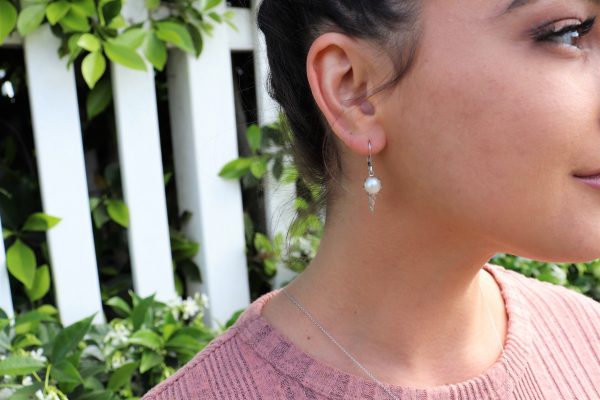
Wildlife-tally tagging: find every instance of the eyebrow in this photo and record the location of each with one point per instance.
(518, 3)
(521, 3)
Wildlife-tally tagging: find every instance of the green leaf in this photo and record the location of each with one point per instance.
(150, 360)
(124, 56)
(289, 175)
(140, 310)
(210, 4)
(27, 3)
(89, 42)
(30, 18)
(109, 10)
(27, 392)
(196, 39)
(74, 21)
(262, 243)
(93, 67)
(20, 365)
(254, 135)
(258, 168)
(85, 8)
(26, 341)
(6, 233)
(184, 342)
(29, 321)
(146, 338)
(100, 216)
(8, 19)
(118, 212)
(118, 22)
(68, 339)
(74, 49)
(216, 17)
(97, 101)
(4, 339)
(122, 376)
(40, 222)
(65, 372)
(41, 284)
(57, 10)
(155, 51)
(207, 27)
(21, 263)
(131, 38)
(228, 16)
(47, 309)
(119, 305)
(152, 4)
(175, 33)
(235, 169)
(277, 168)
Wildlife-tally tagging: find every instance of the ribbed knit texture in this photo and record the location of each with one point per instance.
(552, 351)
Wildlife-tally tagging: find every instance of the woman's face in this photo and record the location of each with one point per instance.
(494, 119)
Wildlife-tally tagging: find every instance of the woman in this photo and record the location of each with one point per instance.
(481, 122)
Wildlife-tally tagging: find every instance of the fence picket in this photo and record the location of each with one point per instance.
(136, 116)
(204, 139)
(5, 294)
(61, 167)
(278, 196)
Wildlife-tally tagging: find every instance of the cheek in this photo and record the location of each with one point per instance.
(485, 139)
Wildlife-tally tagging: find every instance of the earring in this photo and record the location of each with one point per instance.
(372, 184)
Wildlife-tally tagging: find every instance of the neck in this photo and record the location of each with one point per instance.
(404, 299)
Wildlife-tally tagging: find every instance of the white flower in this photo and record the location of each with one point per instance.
(190, 308)
(118, 359)
(27, 381)
(118, 335)
(305, 245)
(204, 300)
(50, 396)
(174, 303)
(6, 393)
(38, 355)
(295, 254)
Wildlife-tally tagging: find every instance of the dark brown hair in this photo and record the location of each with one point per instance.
(290, 27)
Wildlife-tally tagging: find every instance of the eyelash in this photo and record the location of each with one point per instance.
(548, 35)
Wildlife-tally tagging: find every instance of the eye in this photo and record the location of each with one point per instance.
(569, 35)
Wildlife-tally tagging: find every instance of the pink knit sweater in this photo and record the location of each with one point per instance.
(552, 351)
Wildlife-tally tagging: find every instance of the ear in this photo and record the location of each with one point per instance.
(340, 70)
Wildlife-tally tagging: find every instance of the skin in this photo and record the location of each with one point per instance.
(476, 149)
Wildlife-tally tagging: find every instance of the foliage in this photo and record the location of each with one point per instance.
(147, 343)
(580, 277)
(97, 30)
(271, 154)
(20, 257)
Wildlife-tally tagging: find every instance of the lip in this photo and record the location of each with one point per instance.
(591, 174)
(592, 180)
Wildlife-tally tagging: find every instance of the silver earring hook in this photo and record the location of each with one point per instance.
(369, 161)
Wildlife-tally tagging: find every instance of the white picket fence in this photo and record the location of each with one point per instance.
(202, 114)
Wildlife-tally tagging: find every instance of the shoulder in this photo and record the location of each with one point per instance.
(555, 302)
(191, 380)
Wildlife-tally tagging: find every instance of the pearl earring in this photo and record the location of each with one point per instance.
(372, 184)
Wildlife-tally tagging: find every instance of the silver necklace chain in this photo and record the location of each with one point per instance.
(354, 360)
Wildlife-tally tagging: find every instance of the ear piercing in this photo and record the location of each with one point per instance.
(372, 184)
